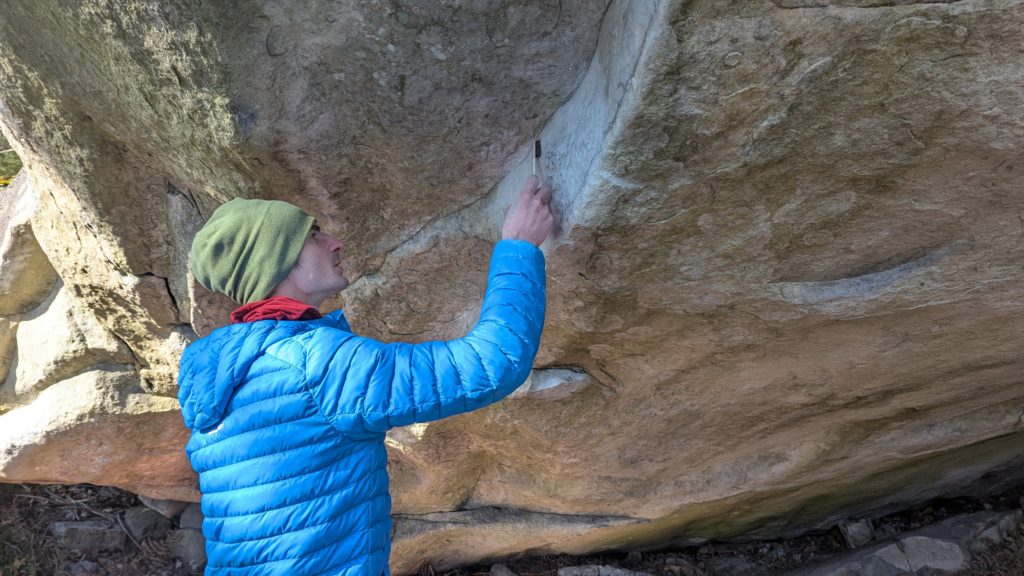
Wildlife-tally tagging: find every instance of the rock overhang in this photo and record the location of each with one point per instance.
(783, 261)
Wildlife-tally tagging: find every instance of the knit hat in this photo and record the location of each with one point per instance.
(248, 247)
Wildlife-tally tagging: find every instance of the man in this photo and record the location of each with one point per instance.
(288, 409)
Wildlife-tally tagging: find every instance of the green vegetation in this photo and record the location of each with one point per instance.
(9, 166)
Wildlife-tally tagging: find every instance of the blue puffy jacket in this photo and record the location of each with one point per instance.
(288, 421)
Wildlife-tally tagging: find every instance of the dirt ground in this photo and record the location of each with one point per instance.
(27, 547)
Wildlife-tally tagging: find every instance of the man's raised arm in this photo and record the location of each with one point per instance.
(365, 387)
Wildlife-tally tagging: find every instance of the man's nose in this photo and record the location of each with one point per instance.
(334, 244)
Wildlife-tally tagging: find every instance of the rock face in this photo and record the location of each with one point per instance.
(98, 427)
(26, 276)
(58, 341)
(71, 405)
(786, 288)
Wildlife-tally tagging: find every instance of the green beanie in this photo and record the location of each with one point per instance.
(248, 247)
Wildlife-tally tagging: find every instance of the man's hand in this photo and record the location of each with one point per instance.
(529, 218)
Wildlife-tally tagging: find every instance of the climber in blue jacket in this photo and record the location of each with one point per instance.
(288, 409)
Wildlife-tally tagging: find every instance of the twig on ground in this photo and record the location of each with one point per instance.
(120, 522)
(15, 546)
(34, 497)
(72, 501)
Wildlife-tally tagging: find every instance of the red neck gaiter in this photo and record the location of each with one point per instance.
(276, 308)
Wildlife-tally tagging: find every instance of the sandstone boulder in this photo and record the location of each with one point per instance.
(8, 348)
(98, 427)
(26, 276)
(57, 341)
(786, 288)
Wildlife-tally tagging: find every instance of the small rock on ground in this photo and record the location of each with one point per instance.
(89, 535)
(189, 546)
(943, 547)
(145, 523)
(501, 570)
(168, 508)
(923, 552)
(857, 532)
(191, 517)
(84, 568)
(679, 566)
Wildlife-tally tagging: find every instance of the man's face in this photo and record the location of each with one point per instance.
(318, 271)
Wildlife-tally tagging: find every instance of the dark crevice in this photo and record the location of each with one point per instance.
(515, 514)
(174, 301)
(173, 190)
(170, 293)
(136, 361)
(570, 367)
(608, 375)
(182, 83)
(577, 369)
(802, 4)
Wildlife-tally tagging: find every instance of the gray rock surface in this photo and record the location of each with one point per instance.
(167, 508)
(554, 384)
(924, 552)
(943, 547)
(501, 570)
(189, 546)
(788, 260)
(979, 530)
(145, 523)
(680, 566)
(191, 517)
(879, 560)
(857, 532)
(89, 535)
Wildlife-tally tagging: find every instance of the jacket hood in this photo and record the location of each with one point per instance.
(212, 367)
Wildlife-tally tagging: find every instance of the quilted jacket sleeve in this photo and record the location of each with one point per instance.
(366, 387)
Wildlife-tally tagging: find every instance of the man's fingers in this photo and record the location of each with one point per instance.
(530, 186)
(545, 195)
(530, 217)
